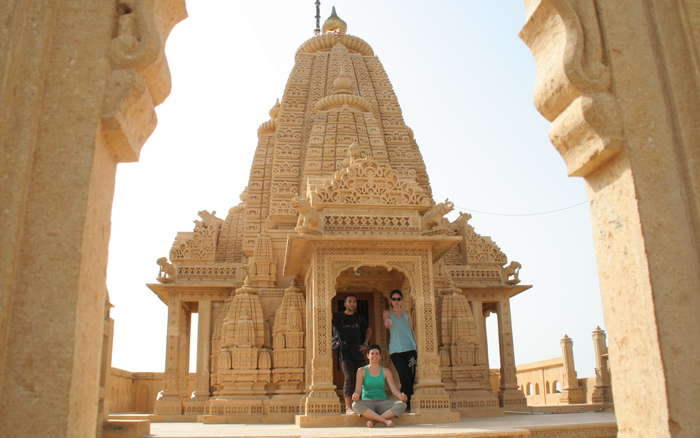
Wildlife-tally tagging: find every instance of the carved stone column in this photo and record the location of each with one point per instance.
(570, 390)
(478, 312)
(57, 67)
(429, 393)
(509, 395)
(203, 350)
(170, 402)
(321, 398)
(619, 80)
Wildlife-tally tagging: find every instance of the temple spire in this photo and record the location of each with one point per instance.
(334, 24)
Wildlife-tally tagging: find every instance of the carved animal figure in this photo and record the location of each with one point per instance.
(458, 224)
(433, 218)
(167, 271)
(309, 217)
(208, 219)
(512, 270)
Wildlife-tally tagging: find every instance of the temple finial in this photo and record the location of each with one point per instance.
(334, 24)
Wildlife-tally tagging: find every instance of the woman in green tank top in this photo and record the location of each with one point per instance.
(370, 397)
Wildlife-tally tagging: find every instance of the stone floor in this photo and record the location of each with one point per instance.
(510, 425)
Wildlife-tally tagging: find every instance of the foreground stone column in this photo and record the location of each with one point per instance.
(619, 80)
(78, 84)
(509, 395)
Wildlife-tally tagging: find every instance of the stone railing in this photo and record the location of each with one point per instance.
(462, 274)
(210, 271)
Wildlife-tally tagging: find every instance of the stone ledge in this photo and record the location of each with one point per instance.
(356, 420)
(126, 428)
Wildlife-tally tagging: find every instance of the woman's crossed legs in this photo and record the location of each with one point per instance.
(370, 408)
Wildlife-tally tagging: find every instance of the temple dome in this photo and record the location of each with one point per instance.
(334, 24)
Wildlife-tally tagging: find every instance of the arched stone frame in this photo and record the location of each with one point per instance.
(644, 31)
(414, 263)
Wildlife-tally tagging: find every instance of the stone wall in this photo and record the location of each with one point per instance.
(136, 392)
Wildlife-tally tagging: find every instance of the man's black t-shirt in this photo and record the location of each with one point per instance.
(351, 329)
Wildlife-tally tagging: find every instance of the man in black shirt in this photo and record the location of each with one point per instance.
(354, 333)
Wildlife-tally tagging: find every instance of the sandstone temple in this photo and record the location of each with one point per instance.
(338, 201)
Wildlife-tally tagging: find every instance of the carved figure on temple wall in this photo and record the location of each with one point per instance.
(309, 217)
(208, 219)
(167, 272)
(458, 225)
(434, 219)
(512, 270)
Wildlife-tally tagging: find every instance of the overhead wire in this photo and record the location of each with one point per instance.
(537, 213)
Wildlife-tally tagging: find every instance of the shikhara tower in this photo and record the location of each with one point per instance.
(338, 201)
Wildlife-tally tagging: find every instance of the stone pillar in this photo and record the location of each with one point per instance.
(203, 350)
(601, 389)
(429, 391)
(479, 322)
(57, 68)
(619, 80)
(183, 354)
(509, 395)
(321, 398)
(170, 401)
(570, 390)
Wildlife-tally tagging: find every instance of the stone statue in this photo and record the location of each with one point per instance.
(512, 270)
(309, 217)
(433, 219)
(167, 271)
(208, 219)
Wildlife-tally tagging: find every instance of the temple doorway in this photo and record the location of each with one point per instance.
(371, 285)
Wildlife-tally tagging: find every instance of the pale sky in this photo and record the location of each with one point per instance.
(464, 81)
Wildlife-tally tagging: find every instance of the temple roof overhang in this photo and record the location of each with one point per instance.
(489, 293)
(300, 246)
(195, 292)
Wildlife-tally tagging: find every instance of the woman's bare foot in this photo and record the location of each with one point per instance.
(389, 423)
(370, 423)
(349, 411)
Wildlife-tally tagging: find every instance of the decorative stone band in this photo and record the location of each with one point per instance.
(462, 273)
(213, 271)
(338, 100)
(371, 224)
(326, 42)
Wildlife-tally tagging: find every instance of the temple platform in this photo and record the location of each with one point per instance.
(594, 424)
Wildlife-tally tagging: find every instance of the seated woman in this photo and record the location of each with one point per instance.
(370, 382)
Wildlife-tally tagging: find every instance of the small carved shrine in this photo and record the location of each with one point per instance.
(338, 202)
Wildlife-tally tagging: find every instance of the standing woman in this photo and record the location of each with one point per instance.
(402, 343)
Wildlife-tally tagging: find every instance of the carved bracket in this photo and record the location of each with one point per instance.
(573, 87)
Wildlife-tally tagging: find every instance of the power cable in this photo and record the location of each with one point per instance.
(538, 213)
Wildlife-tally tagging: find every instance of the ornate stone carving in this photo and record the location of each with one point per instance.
(573, 83)
(309, 218)
(140, 78)
(367, 183)
(512, 270)
(244, 362)
(288, 334)
(262, 266)
(166, 272)
(433, 220)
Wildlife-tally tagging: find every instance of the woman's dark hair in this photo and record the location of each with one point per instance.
(373, 347)
(395, 292)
